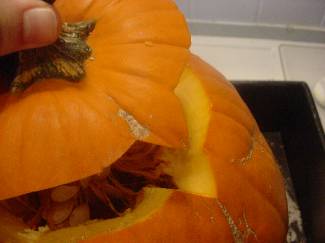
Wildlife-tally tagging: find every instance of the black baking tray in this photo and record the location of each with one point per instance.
(287, 108)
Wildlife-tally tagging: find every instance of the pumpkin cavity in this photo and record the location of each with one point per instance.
(110, 194)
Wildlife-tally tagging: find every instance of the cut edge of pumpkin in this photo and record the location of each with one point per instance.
(153, 200)
(192, 162)
(191, 169)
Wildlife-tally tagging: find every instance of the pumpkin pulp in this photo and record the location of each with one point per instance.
(190, 171)
(102, 196)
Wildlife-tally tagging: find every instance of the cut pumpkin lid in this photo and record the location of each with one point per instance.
(56, 132)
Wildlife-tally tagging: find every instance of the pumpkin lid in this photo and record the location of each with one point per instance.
(55, 131)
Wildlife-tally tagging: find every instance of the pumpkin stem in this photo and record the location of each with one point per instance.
(63, 59)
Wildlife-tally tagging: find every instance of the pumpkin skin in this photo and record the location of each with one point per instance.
(245, 198)
(249, 204)
(82, 119)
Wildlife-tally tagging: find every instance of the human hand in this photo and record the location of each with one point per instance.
(26, 24)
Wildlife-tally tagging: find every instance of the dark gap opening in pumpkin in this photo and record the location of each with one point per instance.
(107, 195)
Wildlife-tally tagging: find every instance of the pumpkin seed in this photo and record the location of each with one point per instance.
(79, 215)
(64, 193)
(59, 212)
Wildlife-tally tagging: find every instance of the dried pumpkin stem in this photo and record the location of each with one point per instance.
(63, 59)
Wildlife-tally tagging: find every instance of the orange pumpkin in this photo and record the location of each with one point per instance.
(143, 84)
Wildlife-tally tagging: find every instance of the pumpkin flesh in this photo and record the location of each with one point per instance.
(221, 209)
(143, 84)
(240, 210)
(194, 159)
(103, 196)
(91, 123)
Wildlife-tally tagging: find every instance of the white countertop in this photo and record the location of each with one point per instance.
(259, 59)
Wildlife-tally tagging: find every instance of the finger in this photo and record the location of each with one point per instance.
(26, 24)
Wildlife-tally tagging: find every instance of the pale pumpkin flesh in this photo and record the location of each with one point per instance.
(102, 196)
(225, 207)
(236, 209)
(143, 84)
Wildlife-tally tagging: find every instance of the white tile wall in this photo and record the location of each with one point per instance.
(323, 21)
(297, 12)
(225, 10)
(259, 60)
(285, 12)
(297, 59)
(202, 11)
(184, 6)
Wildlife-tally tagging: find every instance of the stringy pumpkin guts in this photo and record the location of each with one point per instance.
(103, 196)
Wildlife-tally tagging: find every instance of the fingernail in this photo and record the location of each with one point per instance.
(39, 26)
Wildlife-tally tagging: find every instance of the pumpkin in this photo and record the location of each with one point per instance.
(142, 84)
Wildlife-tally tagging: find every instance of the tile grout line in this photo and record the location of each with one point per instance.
(189, 8)
(322, 22)
(258, 11)
(281, 60)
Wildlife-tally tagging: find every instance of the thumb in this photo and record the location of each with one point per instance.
(26, 24)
